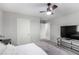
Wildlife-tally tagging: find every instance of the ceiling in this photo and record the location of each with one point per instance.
(33, 9)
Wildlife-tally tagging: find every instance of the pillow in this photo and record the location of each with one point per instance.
(2, 47)
(10, 50)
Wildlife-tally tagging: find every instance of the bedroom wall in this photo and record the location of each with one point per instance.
(11, 29)
(35, 29)
(9, 26)
(1, 15)
(72, 19)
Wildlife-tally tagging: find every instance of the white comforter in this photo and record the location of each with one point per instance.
(28, 49)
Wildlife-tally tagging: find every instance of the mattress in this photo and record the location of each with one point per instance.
(28, 49)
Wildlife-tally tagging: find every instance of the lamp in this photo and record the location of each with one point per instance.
(48, 12)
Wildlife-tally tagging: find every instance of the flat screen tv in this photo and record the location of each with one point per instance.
(70, 31)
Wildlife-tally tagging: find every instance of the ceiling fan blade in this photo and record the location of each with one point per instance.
(42, 11)
(54, 7)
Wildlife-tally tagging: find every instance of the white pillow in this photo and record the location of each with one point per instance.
(2, 47)
(10, 50)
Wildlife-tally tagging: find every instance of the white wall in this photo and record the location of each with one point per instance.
(11, 29)
(72, 19)
(35, 29)
(1, 15)
(9, 26)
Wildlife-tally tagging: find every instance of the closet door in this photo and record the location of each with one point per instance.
(23, 31)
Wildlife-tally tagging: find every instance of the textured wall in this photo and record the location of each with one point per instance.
(72, 19)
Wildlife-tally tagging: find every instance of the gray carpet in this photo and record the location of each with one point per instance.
(52, 49)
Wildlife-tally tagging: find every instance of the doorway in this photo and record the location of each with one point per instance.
(45, 31)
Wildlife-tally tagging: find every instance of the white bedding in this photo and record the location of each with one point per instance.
(10, 50)
(28, 49)
(2, 48)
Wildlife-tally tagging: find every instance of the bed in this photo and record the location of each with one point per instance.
(28, 49)
(42, 48)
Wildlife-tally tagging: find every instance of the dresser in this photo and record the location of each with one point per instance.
(67, 42)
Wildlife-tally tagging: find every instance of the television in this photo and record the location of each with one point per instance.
(71, 31)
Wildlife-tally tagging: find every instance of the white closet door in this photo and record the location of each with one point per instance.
(23, 31)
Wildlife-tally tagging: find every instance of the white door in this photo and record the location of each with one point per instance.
(23, 31)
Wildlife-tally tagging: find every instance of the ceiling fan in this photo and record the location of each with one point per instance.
(50, 9)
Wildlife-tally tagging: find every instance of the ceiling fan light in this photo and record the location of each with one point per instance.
(48, 12)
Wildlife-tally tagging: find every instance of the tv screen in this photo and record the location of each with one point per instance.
(70, 31)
